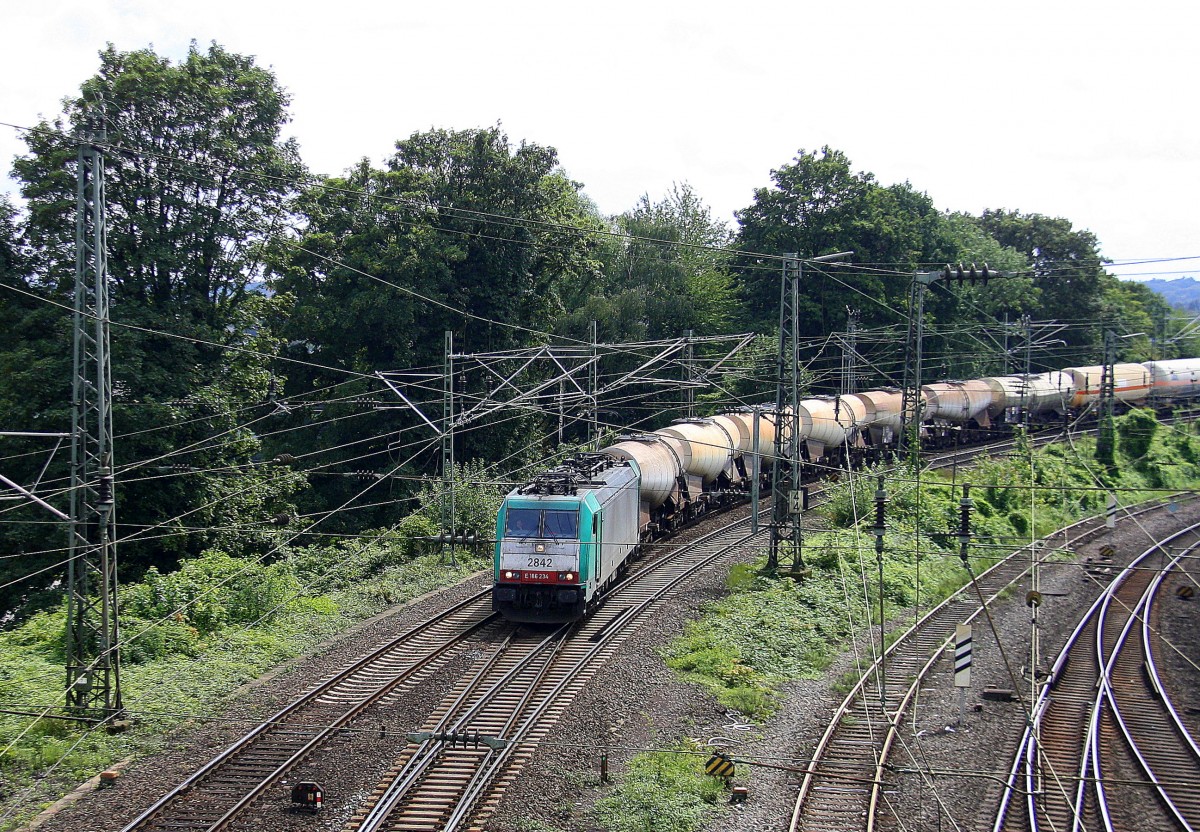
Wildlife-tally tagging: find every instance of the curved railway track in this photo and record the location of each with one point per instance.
(845, 787)
(518, 694)
(1104, 699)
(242, 773)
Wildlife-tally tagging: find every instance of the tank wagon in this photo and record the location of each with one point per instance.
(1178, 378)
(565, 537)
(1131, 383)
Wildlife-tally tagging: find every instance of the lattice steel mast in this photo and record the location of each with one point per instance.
(786, 494)
(92, 648)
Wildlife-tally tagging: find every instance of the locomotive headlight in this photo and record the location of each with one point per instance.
(508, 576)
(539, 547)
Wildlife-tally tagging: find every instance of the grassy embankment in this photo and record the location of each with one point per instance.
(769, 631)
(191, 638)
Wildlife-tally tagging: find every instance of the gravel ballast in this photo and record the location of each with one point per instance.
(635, 703)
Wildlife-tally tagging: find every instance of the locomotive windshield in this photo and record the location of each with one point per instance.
(561, 524)
(533, 522)
(523, 522)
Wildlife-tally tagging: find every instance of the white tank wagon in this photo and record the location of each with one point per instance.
(1131, 383)
(710, 447)
(881, 413)
(979, 390)
(744, 419)
(827, 422)
(851, 412)
(1173, 378)
(659, 462)
(956, 401)
(1051, 391)
(1007, 392)
(741, 433)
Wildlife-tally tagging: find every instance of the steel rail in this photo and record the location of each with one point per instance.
(523, 719)
(868, 759)
(1084, 684)
(583, 663)
(147, 819)
(1171, 745)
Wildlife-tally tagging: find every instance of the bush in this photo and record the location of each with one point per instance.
(44, 632)
(477, 498)
(212, 591)
(663, 791)
(144, 641)
(1136, 431)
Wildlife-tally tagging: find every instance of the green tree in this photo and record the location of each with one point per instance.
(34, 355)
(819, 205)
(1133, 310)
(665, 271)
(1068, 267)
(197, 180)
(459, 231)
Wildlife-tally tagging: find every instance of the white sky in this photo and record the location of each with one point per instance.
(1065, 108)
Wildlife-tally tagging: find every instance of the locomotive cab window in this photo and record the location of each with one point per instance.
(561, 525)
(522, 522)
(532, 522)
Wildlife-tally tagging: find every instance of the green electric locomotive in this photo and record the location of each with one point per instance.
(564, 538)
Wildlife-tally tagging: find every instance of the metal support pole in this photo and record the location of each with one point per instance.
(910, 411)
(1028, 326)
(448, 508)
(689, 372)
(594, 391)
(785, 473)
(755, 471)
(1106, 439)
(849, 383)
(912, 406)
(1008, 362)
(786, 497)
(93, 636)
(880, 530)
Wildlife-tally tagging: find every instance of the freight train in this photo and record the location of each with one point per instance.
(566, 536)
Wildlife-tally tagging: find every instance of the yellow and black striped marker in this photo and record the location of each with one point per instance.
(1185, 591)
(719, 765)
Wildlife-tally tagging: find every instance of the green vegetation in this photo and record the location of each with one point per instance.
(664, 792)
(258, 453)
(770, 630)
(193, 636)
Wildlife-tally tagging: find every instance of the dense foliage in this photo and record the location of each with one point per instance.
(254, 305)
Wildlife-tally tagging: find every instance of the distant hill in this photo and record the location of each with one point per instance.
(1183, 292)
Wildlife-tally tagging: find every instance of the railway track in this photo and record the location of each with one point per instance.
(845, 787)
(236, 778)
(1104, 700)
(516, 695)
(225, 786)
